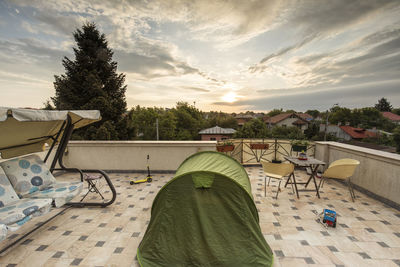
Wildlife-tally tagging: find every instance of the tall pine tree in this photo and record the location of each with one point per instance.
(383, 105)
(91, 82)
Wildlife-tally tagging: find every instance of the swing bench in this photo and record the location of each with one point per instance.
(26, 131)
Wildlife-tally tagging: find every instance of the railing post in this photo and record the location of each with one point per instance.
(241, 151)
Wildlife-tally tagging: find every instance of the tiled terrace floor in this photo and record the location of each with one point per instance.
(367, 234)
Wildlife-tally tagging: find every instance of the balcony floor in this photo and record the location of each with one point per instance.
(367, 234)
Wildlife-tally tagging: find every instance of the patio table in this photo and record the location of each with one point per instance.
(310, 162)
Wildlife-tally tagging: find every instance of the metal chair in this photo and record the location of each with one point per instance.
(93, 183)
(276, 171)
(341, 169)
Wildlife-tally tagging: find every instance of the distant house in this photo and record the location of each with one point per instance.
(305, 116)
(300, 120)
(216, 133)
(242, 119)
(347, 133)
(392, 117)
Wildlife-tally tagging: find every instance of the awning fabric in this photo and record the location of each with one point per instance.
(24, 131)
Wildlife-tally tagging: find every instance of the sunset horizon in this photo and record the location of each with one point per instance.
(228, 56)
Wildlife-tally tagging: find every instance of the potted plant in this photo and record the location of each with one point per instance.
(259, 146)
(226, 146)
(299, 145)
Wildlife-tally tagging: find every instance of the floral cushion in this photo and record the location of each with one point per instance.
(7, 192)
(3, 232)
(60, 192)
(27, 174)
(16, 212)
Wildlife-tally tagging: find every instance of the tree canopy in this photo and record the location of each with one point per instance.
(383, 105)
(91, 82)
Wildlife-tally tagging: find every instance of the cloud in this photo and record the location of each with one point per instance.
(197, 48)
(198, 89)
(29, 51)
(157, 63)
(321, 19)
(65, 24)
(262, 65)
(226, 22)
(359, 95)
(379, 62)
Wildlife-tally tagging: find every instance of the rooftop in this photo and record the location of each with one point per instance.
(367, 234)
(357, 133)
(280, 117)
(391, 116)
(217, 130)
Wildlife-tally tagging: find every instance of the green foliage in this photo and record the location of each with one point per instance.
(180, 123)
(287, 132)
(189, 121)
(91, 82)
(254, 128)
(396, 111)
(396, 138)
(367, 118)
(313, 112)
(383, 105)
(226, 143)
(106, 132)
(275, 112)
(382, 139)
(339, 114)
(299, 143)
(47, 105)
(221, 119)
(143, 123)
(167, 125)
(312, 130)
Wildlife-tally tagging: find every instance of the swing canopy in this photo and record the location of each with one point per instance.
(205, 216)
(24, 131)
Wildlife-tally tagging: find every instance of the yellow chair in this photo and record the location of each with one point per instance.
(341, 169)
(276, 171)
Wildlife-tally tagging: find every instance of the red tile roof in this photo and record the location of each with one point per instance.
(357, 133)
(280, 117)
(391, 116)
(305, 116)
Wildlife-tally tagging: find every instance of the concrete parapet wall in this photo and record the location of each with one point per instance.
(131, 155)
(378, 172)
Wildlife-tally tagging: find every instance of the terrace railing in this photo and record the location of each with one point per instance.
(251, 151)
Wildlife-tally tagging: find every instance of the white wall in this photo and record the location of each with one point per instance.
(336, 131)
(131, 155)
(378, 172)
(288, 122)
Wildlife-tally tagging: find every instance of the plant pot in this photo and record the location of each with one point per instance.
(225, 148)
(299, 148)
(259, 146)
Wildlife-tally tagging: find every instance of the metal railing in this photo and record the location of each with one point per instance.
(251, 151)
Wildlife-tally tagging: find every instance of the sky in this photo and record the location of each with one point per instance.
(229, 56)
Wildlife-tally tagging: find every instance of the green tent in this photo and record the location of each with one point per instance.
(205, 216)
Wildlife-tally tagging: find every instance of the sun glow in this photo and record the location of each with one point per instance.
(230, 97)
